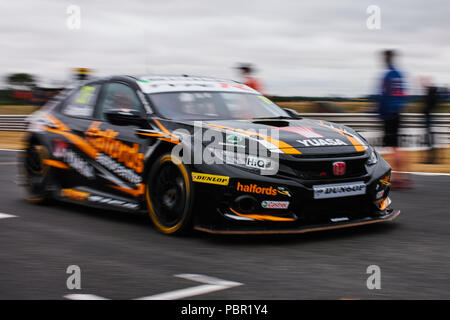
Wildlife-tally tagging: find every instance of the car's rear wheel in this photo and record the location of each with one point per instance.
(36, 173)
(169, 195)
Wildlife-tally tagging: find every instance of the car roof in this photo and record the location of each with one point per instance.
(183, 83)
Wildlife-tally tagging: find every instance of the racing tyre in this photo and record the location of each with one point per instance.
(35, 173)
(169, 195)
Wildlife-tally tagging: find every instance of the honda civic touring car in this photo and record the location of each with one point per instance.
(182, 150)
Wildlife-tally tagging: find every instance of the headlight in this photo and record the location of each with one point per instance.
(373, 157)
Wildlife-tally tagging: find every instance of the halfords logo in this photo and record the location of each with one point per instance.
(253, 188)
(210, 178)
(275, 204)
(105, 142)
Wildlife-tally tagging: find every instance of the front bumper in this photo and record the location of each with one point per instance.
(224, 208)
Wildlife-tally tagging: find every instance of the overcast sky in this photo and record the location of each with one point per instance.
(300, 47)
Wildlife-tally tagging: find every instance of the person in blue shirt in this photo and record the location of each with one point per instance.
(391, 102)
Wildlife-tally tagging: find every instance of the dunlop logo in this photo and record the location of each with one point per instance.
(210, 178)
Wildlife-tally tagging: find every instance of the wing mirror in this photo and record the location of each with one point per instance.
(125, 117)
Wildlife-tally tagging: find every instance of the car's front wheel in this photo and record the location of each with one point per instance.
(169, 195)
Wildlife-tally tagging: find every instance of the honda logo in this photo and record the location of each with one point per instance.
(339, 168)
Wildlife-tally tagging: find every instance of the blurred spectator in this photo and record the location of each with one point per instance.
(430, 104)
(445, 94)
(390, 104)
(247, 70)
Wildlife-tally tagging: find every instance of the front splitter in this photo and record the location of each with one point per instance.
(354, 223)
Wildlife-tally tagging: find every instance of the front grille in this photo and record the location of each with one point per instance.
(323, 169)
(340, 155)
(322, 211)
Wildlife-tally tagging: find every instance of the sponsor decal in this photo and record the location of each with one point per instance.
(72, 159)
(339, 190)
(379, 194)
(231, 145)
(172, 84)
(82, 105)
(255, 162)
(113, 202)
(283, 191)
(210, 178)
(340, 219)
(270, 142)
(232, 138)
(59, 148)
(79, 164)
(267, 204)
(339, 168)
(306, 132)
(105, 141)
(322, 142)
(118, 169)
(74, 194)
(254, 188)
(85, 94)
(353, 138)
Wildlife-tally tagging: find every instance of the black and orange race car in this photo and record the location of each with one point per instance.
(183, 149)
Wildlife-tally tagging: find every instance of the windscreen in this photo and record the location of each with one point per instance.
(214, 105)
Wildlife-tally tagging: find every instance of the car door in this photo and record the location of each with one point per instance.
(76, 114)
(120, 150)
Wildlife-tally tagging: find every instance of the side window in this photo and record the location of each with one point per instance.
(118, 96)
(81, 103)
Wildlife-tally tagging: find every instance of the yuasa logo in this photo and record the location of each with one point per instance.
(322, 142)
(339, 168)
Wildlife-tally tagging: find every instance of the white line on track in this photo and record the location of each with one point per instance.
(210, 285)
(425, 173)
(5, 215)
(84, 297)
(14, 150)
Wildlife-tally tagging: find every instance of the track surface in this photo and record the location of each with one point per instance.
(122, 256)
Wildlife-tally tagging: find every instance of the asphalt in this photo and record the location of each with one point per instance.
(122, 256)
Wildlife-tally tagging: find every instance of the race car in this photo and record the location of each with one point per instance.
(202, 153)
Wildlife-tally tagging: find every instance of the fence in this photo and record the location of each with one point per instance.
(368, 123)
